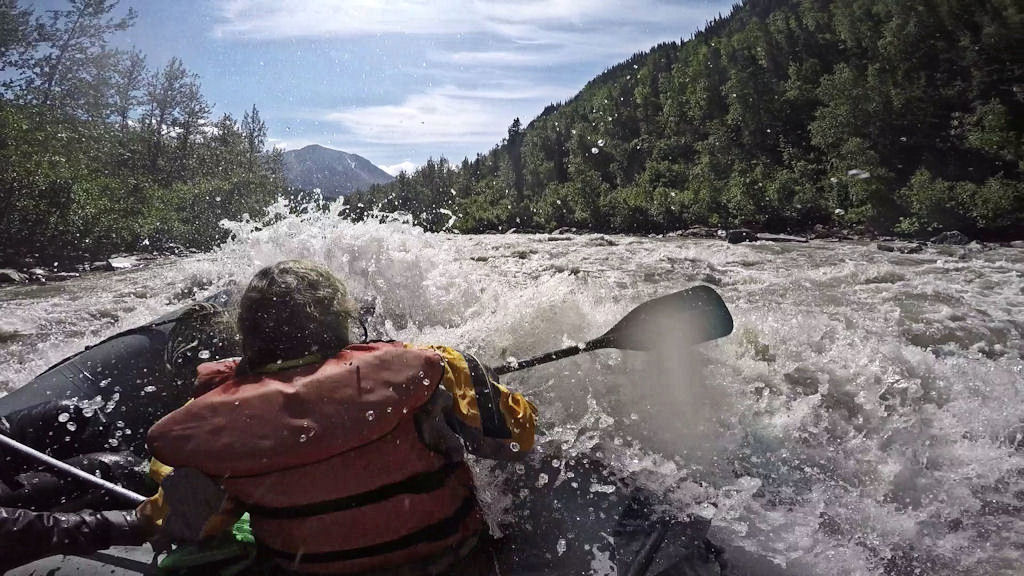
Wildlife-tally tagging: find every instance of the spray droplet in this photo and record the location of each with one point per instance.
(421, 374)
(426, 382)
(556, 463)
(370, 415)
(514, 446)
(542, 479)
(520, 469)
(405, 410)
(561, 546)
(88, 412)
(634, 416)
(389, 409)
(600, 142)
(204, 354)
(113, 442)
(149, 389)
(72, 426)
(119, 423)
(63, 417)
(593, 150)
(302, 438)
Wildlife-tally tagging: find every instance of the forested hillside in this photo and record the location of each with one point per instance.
(101, 153)
(893, 116)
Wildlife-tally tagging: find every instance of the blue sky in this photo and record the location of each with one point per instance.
(398, 81)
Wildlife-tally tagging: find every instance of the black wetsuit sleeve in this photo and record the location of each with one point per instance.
(26, 536)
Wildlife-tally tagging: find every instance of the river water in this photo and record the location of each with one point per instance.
(865, 417)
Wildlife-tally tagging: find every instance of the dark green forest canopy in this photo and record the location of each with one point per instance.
(888, 115)
(102, 154)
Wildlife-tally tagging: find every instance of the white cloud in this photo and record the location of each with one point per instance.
(340, 18)
(526, 21)
(405, 166)
(421, 118)
(445, 114)
(290, 144)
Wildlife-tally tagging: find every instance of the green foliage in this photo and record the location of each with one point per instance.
(103, 156)
(891, 115)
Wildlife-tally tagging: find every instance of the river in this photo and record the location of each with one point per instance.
(865, 417)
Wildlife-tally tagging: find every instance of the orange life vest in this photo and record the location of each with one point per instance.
(328, 461)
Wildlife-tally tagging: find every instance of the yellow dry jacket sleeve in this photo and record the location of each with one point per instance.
(157, 507)
(484, 404)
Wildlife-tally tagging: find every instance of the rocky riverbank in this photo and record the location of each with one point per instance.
(25, 270)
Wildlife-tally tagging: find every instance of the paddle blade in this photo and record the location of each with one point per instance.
(682, 318)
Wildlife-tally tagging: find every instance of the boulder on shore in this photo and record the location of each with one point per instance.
(700, 232)
(739, 236)
(9, 275)
(62, 276)
(900, 247)
(952, 237)
(122, 263)
(781, 238)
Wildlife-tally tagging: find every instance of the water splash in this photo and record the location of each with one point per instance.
(864, 419)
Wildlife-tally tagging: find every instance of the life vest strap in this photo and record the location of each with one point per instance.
(435, 532)
(423, 483)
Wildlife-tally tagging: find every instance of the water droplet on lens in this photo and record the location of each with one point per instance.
(370, 415)
(302, 438)
(593, 150)
(556, 463)
(149, 389)
(72, 426)
(514, 446)
(405, 410)
(389, 409)
(600, 142)
(204, 354)
(63, 417)
(426, 382)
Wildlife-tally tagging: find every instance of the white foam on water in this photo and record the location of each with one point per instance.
(866, 416)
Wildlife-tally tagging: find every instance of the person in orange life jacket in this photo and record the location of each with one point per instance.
(349, 458)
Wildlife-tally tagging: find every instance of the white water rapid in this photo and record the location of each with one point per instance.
(866, 417)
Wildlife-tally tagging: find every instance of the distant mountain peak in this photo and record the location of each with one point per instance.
(334, 172)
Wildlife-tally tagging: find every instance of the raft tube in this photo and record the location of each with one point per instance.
(122, 383)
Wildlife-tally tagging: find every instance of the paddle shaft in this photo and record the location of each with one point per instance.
(566, 352)
(125, 494)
